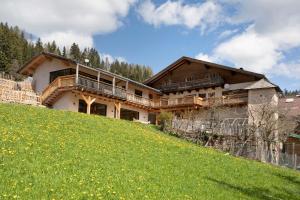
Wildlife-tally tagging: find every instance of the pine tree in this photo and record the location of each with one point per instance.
(38, 47)
(75, 53)
(15, 50)
(64, 52)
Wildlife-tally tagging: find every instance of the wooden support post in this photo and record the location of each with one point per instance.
(126, 86)
(118, 110)
(77, 73)
(114, 85)
(89, 101)
(58, 82)
(295, 161)
(98, 79)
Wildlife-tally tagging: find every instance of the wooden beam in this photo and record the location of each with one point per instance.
(98, 79)
(118, 110)
(126, 86)
(77, 73)
(114, 85)
(89, 101)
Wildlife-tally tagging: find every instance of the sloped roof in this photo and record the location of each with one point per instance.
(263, 83)
(185, 59)
(260, 84)
(238, 86)
(35, 61)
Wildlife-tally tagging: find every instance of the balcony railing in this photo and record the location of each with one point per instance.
(101, 87)
(65, 82)
(188, 85)
(230, 99)
(59, 82)
(140, 100)
(182, 101)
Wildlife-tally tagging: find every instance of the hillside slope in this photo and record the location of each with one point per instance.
(62, 155)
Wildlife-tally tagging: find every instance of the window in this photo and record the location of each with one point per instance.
(211, 95)
(138, 93)
(129, 114)
(150, 96)
(70, 71)
(63, 72)
(96, 108)
(202, 96)
(188, 79)
(106, 81)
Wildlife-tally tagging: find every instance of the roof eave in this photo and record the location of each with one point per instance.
(170, 67)
(47, 54)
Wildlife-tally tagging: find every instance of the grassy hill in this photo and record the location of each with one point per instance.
(62, 155)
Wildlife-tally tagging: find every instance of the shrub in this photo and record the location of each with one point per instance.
(165, 120)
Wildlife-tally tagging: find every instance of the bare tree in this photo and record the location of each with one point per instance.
(270, 127)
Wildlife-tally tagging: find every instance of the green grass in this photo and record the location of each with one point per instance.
(48, 154)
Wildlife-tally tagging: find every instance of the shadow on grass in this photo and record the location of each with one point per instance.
(259, 193)
(291, 179)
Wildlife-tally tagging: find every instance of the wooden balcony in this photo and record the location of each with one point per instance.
(135, 99)
(68, 83)
(186, 101)
(65, 83)
(189, 85)
(191, 101)
(227, 100)
(101, 88)
(54, 89)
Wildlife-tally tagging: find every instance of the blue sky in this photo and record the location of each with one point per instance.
(261, 36)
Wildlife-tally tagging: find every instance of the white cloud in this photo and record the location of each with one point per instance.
(205, 57)
(68, 38)
(249, 50)
(274, 29)
(290, 69)
(110, 58)
(202, 15)
(228, 33)
(65, 20)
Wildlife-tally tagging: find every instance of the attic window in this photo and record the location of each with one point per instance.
(138, 93)
(202, 95)
(190, 78)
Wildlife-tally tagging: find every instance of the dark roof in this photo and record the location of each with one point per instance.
(51, 55)
(188, 59)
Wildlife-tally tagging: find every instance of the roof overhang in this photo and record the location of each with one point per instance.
(185, 59)
(29, 67)
(36, 61)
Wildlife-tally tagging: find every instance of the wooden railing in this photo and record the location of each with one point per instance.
(105, 88)
(101, 87)
(228, 100)
(193, 100)
(205, 82)
(62, 81)
(172, 102)
(140, 100)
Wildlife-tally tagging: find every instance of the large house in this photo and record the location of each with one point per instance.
(184, 85)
